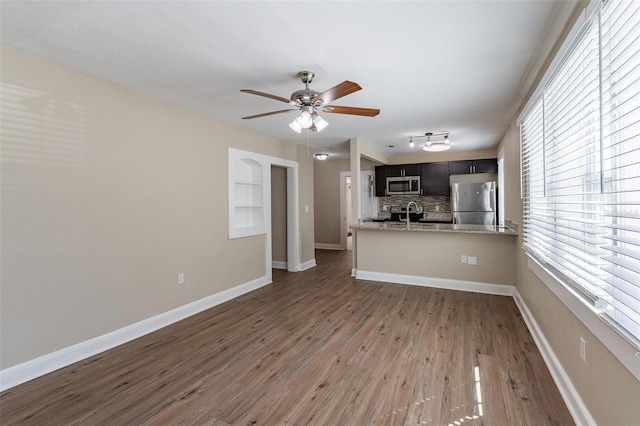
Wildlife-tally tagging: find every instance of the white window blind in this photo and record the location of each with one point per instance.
(620, 45)
(501, 207)
(581, 167)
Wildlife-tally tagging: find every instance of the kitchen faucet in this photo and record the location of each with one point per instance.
(418, 210)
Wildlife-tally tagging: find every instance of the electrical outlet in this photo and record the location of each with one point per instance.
(181, 278)
(437, 208)
(463, 259)
(472, 260)
(583, 350)
(385, 207)
(306, 209)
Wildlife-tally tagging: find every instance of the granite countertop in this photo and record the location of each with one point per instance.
(436, 227)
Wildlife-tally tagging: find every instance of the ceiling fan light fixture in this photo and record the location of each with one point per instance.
(307, 101)
(320, 123)
(305, 120)
(295, 126)
(411, 143)
(446, 140)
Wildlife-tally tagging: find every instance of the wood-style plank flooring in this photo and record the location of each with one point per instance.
(315, 347)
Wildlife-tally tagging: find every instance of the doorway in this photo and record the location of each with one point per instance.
(278, 217)
(368, 202)
(349, 212)
(345, 211)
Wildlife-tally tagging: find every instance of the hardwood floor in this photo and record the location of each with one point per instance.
(315, 347)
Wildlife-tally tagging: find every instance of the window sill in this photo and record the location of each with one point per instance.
(626, 352)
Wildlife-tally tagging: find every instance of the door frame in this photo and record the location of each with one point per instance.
(343, 209)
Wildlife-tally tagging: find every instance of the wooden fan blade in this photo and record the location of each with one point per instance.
(336, 92)
(368, 112)
(264, 114)
(268, 95)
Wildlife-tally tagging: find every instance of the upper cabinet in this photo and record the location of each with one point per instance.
(383, 172)
(403, 170)
(434, 178)
(489, 165)
(381, 181)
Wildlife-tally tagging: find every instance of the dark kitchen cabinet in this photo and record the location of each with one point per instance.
(489, 165)
(403, 170)
(434, 179)
(460, 167)
(381, 181)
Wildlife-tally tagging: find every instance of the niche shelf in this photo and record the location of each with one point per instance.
(246, 197)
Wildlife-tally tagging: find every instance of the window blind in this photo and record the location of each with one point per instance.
(501, 207)
(620, 64)
(581, 167)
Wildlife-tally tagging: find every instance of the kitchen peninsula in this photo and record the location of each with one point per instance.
(436, 227)
(464, 257)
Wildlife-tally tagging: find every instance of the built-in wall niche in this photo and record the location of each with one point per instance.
(250, 202)
(247, 194)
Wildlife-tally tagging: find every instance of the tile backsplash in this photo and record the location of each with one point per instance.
(428, 203)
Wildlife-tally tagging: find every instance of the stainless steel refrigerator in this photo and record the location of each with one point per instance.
(474, 203)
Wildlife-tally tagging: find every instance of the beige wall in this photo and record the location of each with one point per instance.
(367, 165)
(326, 184)
(432, 157)
(305, 178)
(326, 175)
(106, 196)
(437, 255)
(279, 214)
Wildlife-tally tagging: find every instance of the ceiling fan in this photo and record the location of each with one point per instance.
(308, 102)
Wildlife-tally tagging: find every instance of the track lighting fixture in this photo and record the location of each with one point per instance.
(433, 145)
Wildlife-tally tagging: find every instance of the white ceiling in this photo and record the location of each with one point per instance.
(459, 66)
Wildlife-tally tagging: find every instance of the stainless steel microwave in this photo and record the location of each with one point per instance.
(403, 185)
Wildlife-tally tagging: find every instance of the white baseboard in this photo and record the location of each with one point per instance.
(13, 376)
(307, 265)
(278, 264)
(323, 246)
(576, 406)
(472, 286)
